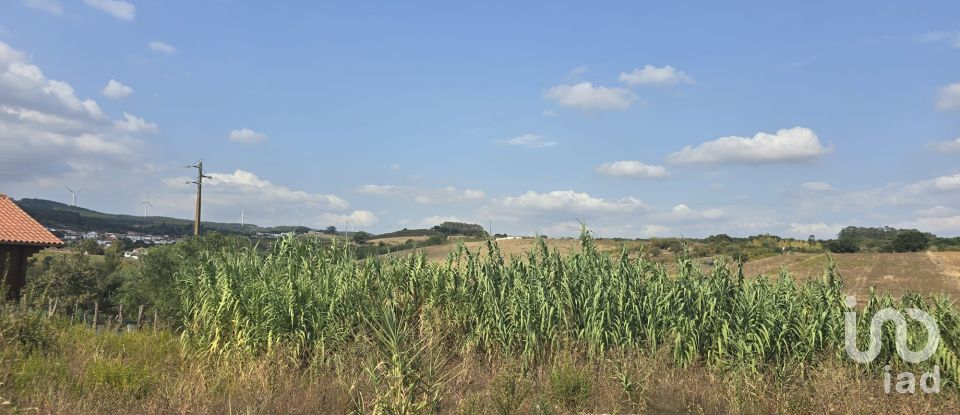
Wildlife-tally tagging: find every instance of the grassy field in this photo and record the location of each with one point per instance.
(511, 247)
(307, 327)
(63, 368)
(397, 240)
(894, 273)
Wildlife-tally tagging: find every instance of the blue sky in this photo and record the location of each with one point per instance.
(641, 119)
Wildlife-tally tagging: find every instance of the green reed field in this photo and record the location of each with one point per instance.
(548, 333)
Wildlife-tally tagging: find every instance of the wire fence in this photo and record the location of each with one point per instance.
(109, 320)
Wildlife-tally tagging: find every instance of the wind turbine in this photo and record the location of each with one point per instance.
(146, 203)
(242, 212)
(301, 216)
(73, 194)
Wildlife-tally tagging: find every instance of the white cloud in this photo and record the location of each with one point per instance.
(566, 201)
(116, 90)
(937, 211)
(117, 8)
(631, 168)
(357, 218)
(528, 141)
(246, 135)
(950, 37)
(422, 195)
(49, 6)
(158, 46)
(652, 75)
(937, 219)
(133, 124)
(785, 146)
(243, 188)
(820, 230)
(948, 146)
(951, 182)
(580, 70)
(949, 97)
(942, 183)
(937, 225)
(432, 221)
(816, 186)
(684, 212)
(650, 231)
(586, 97)
(47, 131)
(23, 83)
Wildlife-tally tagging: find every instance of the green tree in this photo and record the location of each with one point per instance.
(842, 245)
(113, 255)
(90, 247)
(909, 240)
(70, 279)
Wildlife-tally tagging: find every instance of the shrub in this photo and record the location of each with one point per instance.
(570, 385)
(28, 329)
(70, 279)
(509, 389)
(909, 240)
(842, 245)
(126, 379)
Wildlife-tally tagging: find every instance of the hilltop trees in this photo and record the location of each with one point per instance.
(842, 245)
(909, 240)
(881, 239)
(459, 228)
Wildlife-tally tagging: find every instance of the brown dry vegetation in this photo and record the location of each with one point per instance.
(510, 247)
(82, 372)
(397, 240)
(896, 273)
(929, 273)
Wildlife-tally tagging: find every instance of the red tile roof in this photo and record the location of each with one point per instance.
(18, 228)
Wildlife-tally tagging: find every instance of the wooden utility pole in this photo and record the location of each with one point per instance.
(199, 183)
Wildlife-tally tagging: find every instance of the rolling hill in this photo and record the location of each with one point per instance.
(60, 215)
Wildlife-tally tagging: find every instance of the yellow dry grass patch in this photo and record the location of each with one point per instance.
(396, 240)
(923, 272)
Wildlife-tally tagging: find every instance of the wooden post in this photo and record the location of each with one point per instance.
(154, 320)
(120, 315)
(96, 311)
(139, 316)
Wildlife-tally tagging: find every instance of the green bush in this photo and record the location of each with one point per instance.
(570, 385)
(126, 379)
(842, 245)
(30, 330)
(70, 280)
(909, 241)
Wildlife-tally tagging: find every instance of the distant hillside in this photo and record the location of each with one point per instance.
(407, 233)
(56, 214)
(445, 228)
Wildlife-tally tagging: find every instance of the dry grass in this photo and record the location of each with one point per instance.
(511, 247)
(148, 372)
(896, 273)
(397, 240)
